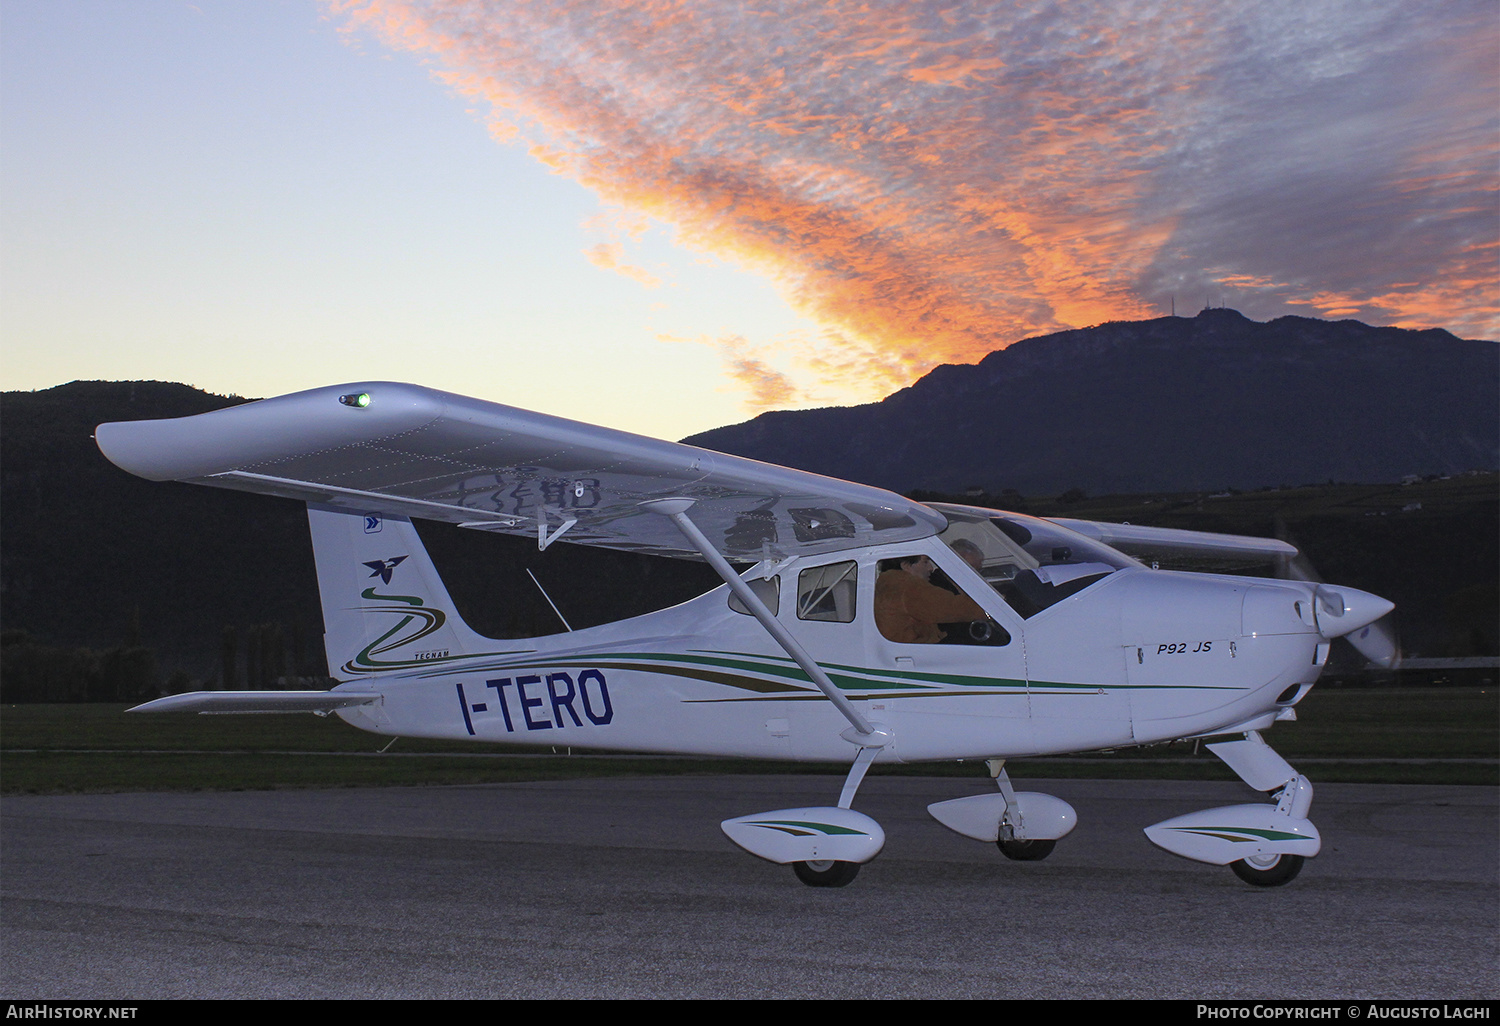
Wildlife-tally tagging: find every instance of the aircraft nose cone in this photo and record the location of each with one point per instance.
(1342, 610)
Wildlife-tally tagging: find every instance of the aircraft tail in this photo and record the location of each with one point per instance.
(385, 608)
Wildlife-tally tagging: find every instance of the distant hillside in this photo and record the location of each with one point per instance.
(1173, 404)
(92, 556)
(207, 579)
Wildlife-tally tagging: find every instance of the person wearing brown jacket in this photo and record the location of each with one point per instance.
(908, 607)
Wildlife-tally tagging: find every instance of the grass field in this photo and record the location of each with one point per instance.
(1385, 735)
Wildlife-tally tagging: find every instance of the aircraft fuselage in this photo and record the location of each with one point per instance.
(1141, 656)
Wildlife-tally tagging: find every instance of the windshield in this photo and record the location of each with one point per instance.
(1032, 563)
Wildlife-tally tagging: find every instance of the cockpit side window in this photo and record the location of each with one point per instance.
(827, 592)
(767, 589)
(917, 603)
(1033, 564)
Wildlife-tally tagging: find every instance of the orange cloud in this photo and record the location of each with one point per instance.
(610, 256)
(748, 368)
(768, 387)
(933, 181)
(618, 226)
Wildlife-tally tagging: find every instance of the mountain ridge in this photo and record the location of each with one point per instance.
(207, 578)
(1174, 403)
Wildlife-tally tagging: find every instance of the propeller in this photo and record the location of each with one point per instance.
(1372, 629)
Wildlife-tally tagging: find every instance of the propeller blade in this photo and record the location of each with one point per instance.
(1376, 641)
(1296, 568)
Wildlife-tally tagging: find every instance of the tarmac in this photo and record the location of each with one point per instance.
(627, 888)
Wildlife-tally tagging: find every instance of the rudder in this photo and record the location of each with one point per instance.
(385, 607)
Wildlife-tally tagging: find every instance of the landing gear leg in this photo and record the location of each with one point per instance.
(1010, 846)
(1258, 766)
(828, 872)
(1265, 845)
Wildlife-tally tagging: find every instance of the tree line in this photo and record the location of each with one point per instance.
(259, 657)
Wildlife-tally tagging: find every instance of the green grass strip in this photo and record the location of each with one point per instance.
(1374, 735)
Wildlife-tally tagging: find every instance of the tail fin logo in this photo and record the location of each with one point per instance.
(421, 621)
(383, 568)
(415, 623)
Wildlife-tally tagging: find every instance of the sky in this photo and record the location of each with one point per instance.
(669, 215)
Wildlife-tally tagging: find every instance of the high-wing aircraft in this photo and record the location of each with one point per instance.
(1040, 636)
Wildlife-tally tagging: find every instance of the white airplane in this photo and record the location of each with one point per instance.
(1063, 644)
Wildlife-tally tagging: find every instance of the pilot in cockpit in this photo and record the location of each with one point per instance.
(969, 552)
(908, 607)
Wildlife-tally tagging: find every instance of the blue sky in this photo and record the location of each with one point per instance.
(237, 196)
(667, 215)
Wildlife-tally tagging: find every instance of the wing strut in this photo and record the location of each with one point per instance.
(864, 733)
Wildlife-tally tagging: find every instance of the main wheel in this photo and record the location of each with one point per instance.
(826, 873)
(1026, 851)
(1268, 870)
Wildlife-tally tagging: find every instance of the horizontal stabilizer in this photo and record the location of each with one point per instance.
(258, 701)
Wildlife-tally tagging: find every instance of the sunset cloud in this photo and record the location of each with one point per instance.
(933, 181)
(618, 228)
(748, 368)
(768, 388)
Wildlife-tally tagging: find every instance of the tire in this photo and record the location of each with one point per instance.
(827, 873)
(1268, 870)
(1026, 851)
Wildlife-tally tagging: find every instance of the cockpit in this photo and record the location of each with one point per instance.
(1032, 563)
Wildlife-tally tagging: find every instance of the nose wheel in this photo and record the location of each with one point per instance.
(826, 873)
(1025, 851)
(1268, 870)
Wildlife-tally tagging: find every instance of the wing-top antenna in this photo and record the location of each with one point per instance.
(539, 588)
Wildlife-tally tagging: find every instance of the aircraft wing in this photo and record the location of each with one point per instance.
(413, 451)
(1176, 543)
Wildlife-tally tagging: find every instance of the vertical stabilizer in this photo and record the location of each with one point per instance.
(385, 608)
